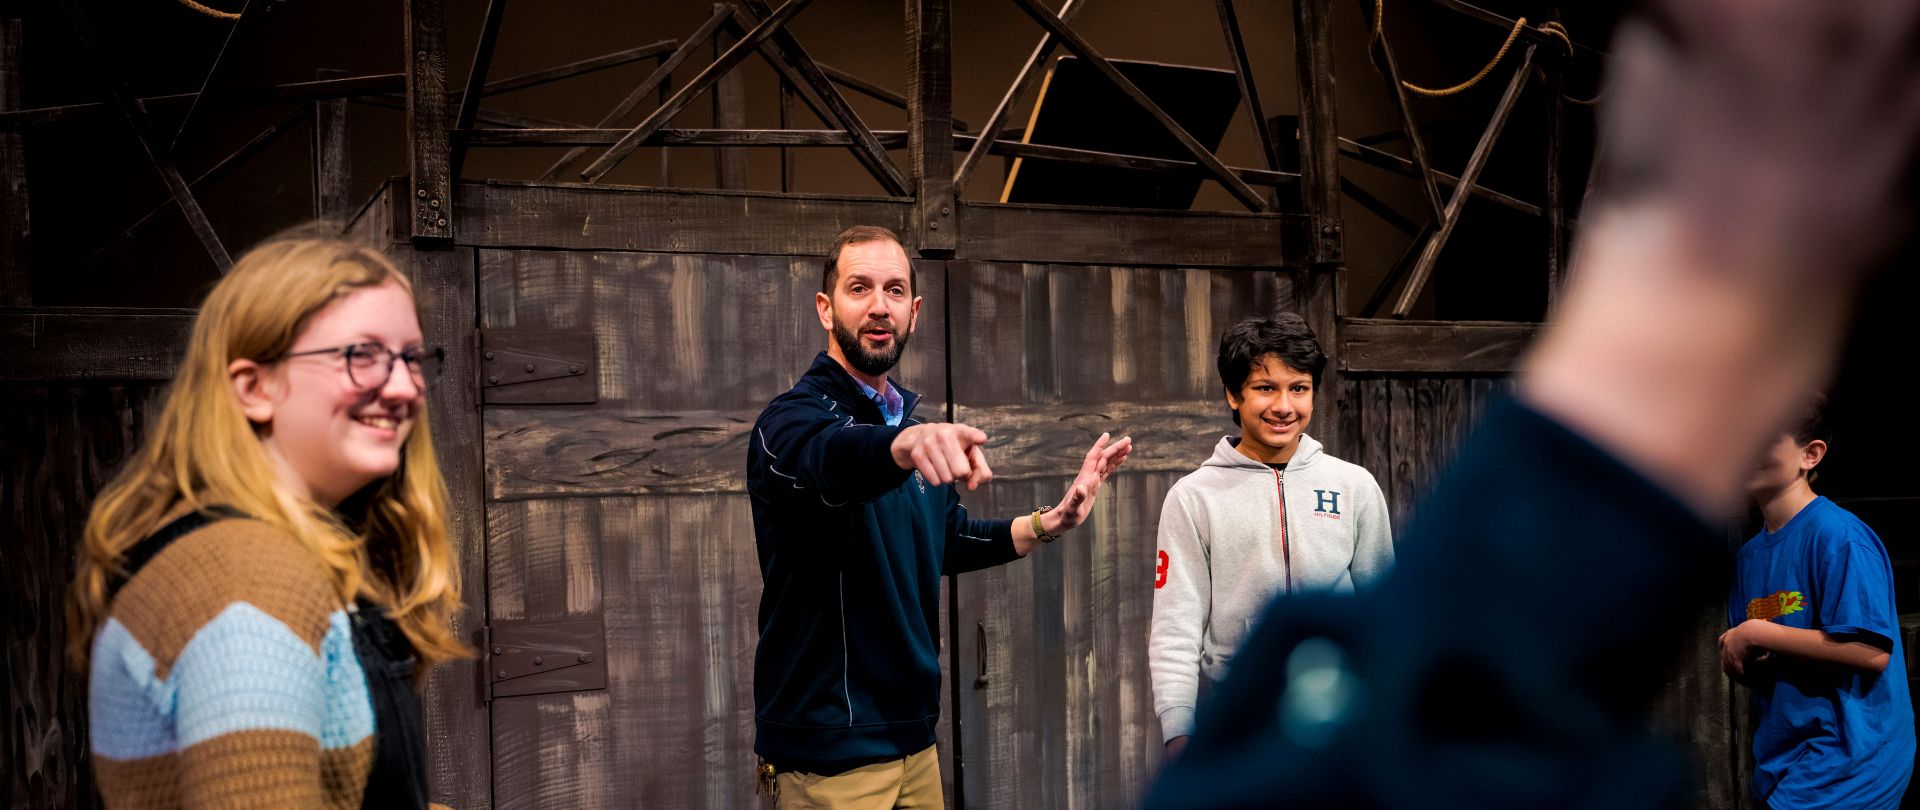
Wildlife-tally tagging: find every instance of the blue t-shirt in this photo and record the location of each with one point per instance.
(1827, 736)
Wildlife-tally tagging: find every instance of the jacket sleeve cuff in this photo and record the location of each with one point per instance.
(1176, 722)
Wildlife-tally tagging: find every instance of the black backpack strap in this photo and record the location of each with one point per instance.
(144, 551)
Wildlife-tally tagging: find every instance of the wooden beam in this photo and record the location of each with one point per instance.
(1035, 151)
(274, 94)
(794, 62)
(212, 175)
(476, 81)
(1243, 73)
(1529, 33)
(332, 157)
(115, 88)
(1482, 151)
(426, 121)
(16, 278)
(461, 764)
(1403, 111)
(657, 80)
(87, 344)
(572, 69)
(724, 63)
(729, 112)
(499, 214)
(1556, 218)
(1082, 48)
(930, 122)
(677, 137)
(1319, 162)
(1405, 168)
(251, 14)
(1379, 207)
(874, 91)
(1022, 82)
(1081, 235)
(1369, 346)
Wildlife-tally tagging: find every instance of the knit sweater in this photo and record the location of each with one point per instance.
(225, 676)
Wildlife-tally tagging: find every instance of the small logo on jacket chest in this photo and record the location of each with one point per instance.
(1326, 503)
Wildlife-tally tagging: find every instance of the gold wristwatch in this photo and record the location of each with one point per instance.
(1040, 533)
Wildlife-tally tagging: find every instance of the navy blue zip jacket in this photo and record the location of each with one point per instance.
(851, 550)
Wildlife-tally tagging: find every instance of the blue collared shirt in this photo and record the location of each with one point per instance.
(891, 406)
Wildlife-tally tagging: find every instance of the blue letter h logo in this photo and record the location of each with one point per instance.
(1327, 501)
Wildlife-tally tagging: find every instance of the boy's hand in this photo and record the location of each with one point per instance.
(1742, 644)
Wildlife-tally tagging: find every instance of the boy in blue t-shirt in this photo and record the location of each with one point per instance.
(1817, 638)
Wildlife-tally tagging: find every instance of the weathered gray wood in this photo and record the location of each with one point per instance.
(1022, 82)
(456, 713)
(252, 14)
(1243, 74)
(1406, 168)
(1696, 708)
(729, 112)
(1080, 47)
(1039, 233)
(92, 344)
(1404, 455)
(1375, 418)
(1047, 357)
(549, 452)
(1456, 205)
(115, 88)
(930, 122)
(659, 79)
(16, 280)
(1319, 163)
(377, 220)
(1369, 346)
(572, 217)
(798, 66)
(59, 445)
(426, 121)
(332, 157)
(476, 82)
(678, 585)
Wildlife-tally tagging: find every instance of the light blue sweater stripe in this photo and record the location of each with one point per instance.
(243, 671)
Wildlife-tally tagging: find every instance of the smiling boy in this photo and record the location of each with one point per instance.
(1269, 514)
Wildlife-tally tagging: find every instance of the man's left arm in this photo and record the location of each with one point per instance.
(974, 544)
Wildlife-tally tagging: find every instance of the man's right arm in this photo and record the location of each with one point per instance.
(802, 447)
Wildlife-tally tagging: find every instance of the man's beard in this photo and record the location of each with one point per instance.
(868, 362)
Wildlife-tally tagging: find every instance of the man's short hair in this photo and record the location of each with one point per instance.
(1286, 336)
(855, 235)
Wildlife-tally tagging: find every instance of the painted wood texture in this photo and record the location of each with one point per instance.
(1061, 715)
(59, 445)
(634, 508)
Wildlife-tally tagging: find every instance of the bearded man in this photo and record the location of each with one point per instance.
(857, 515)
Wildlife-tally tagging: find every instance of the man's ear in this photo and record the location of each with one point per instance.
(913, 315)
(1812, 454)
(253, 388)
(824, 306)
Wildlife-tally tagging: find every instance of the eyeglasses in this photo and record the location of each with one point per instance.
(370, 365)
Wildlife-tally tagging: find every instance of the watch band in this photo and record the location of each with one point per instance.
(1038, 532)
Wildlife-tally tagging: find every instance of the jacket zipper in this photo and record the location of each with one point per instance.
(1286, 552)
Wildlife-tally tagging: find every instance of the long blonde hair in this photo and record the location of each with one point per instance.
(390, 545)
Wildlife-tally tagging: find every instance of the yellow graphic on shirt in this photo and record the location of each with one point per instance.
(1775, 605)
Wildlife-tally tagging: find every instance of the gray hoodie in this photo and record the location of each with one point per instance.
(1225, 552)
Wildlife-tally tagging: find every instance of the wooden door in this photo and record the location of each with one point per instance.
(631, 509)
(1051, 673)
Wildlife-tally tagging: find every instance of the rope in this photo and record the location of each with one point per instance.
(1553, 28)
(211, 12)
(1379, 25)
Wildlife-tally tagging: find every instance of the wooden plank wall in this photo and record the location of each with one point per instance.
(1056, 708)
(59, 445)
(635, 507)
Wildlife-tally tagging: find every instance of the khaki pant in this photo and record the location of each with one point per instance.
(902, 784)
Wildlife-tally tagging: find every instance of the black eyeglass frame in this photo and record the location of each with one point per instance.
(423, 362)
